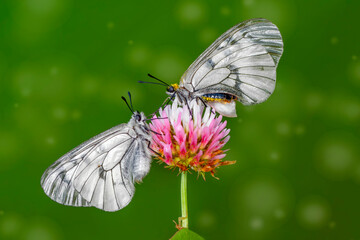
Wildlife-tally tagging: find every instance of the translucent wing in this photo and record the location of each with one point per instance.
(241, 62)
(100, 172)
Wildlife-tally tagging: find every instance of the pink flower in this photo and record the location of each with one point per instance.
(190, 142)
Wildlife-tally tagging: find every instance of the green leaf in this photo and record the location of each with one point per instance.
(186, 234)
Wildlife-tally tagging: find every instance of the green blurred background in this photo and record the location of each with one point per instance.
(64, 66)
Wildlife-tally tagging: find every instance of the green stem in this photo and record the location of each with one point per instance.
(184, 205)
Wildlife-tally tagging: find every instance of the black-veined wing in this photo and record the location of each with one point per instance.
(101, 172)
(240, 64)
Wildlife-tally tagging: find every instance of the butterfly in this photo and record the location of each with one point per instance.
(239, 66)
(101, 172)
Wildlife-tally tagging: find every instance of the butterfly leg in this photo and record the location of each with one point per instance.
(148, 129)
(149, 142)
(203, 101)
(168, 101)
(191, 113)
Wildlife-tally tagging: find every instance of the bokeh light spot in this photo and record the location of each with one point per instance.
(43, 6)
(334, 40)
(54, 71)
(39, 233)
(33, 19)
(356, 173)
(279, 12)
(50, 140)
(332, 224)
(352, 110)
(279, 213)
(191, 12)
(313, 101)
(225, 10)
(207, 35)
(138, 55)
(248, 2)
(254, 196)
(263, 194)
(89, 85)
(283, 128)
(110, 25)
(24, 81)
(299, 129)
(274, 156)
(76, 114)
(206, 219)
(354, 71)
(39, 79)
(10, 226)
(169, 66)
(256, 223)
(60, 113)
(335, 157)
(42, 229)
(313, 212)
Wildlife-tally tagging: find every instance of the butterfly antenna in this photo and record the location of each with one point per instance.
(127, 104)
(132, 108)
(153, 83)
(158, 79)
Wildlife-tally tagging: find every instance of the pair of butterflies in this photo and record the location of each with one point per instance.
(240, 65)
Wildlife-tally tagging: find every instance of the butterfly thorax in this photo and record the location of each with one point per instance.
(138, 124)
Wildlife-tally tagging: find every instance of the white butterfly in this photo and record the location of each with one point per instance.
(101, 172)
(239, 65)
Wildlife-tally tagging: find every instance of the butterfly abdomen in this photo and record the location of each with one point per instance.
(141, 166)
(219, 97)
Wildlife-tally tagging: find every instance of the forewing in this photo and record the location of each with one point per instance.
(94, 174)
(241, 62)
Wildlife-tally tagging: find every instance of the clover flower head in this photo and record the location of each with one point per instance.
(190, 137)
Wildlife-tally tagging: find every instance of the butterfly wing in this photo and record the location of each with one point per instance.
(241, 62)
(99, 172)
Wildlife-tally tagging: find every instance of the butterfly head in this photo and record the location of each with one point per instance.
(172, 88)
(138, 116)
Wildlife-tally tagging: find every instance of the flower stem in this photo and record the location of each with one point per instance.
(184, 205)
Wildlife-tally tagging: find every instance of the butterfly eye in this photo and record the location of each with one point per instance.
(171, 89)
(138, 117)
